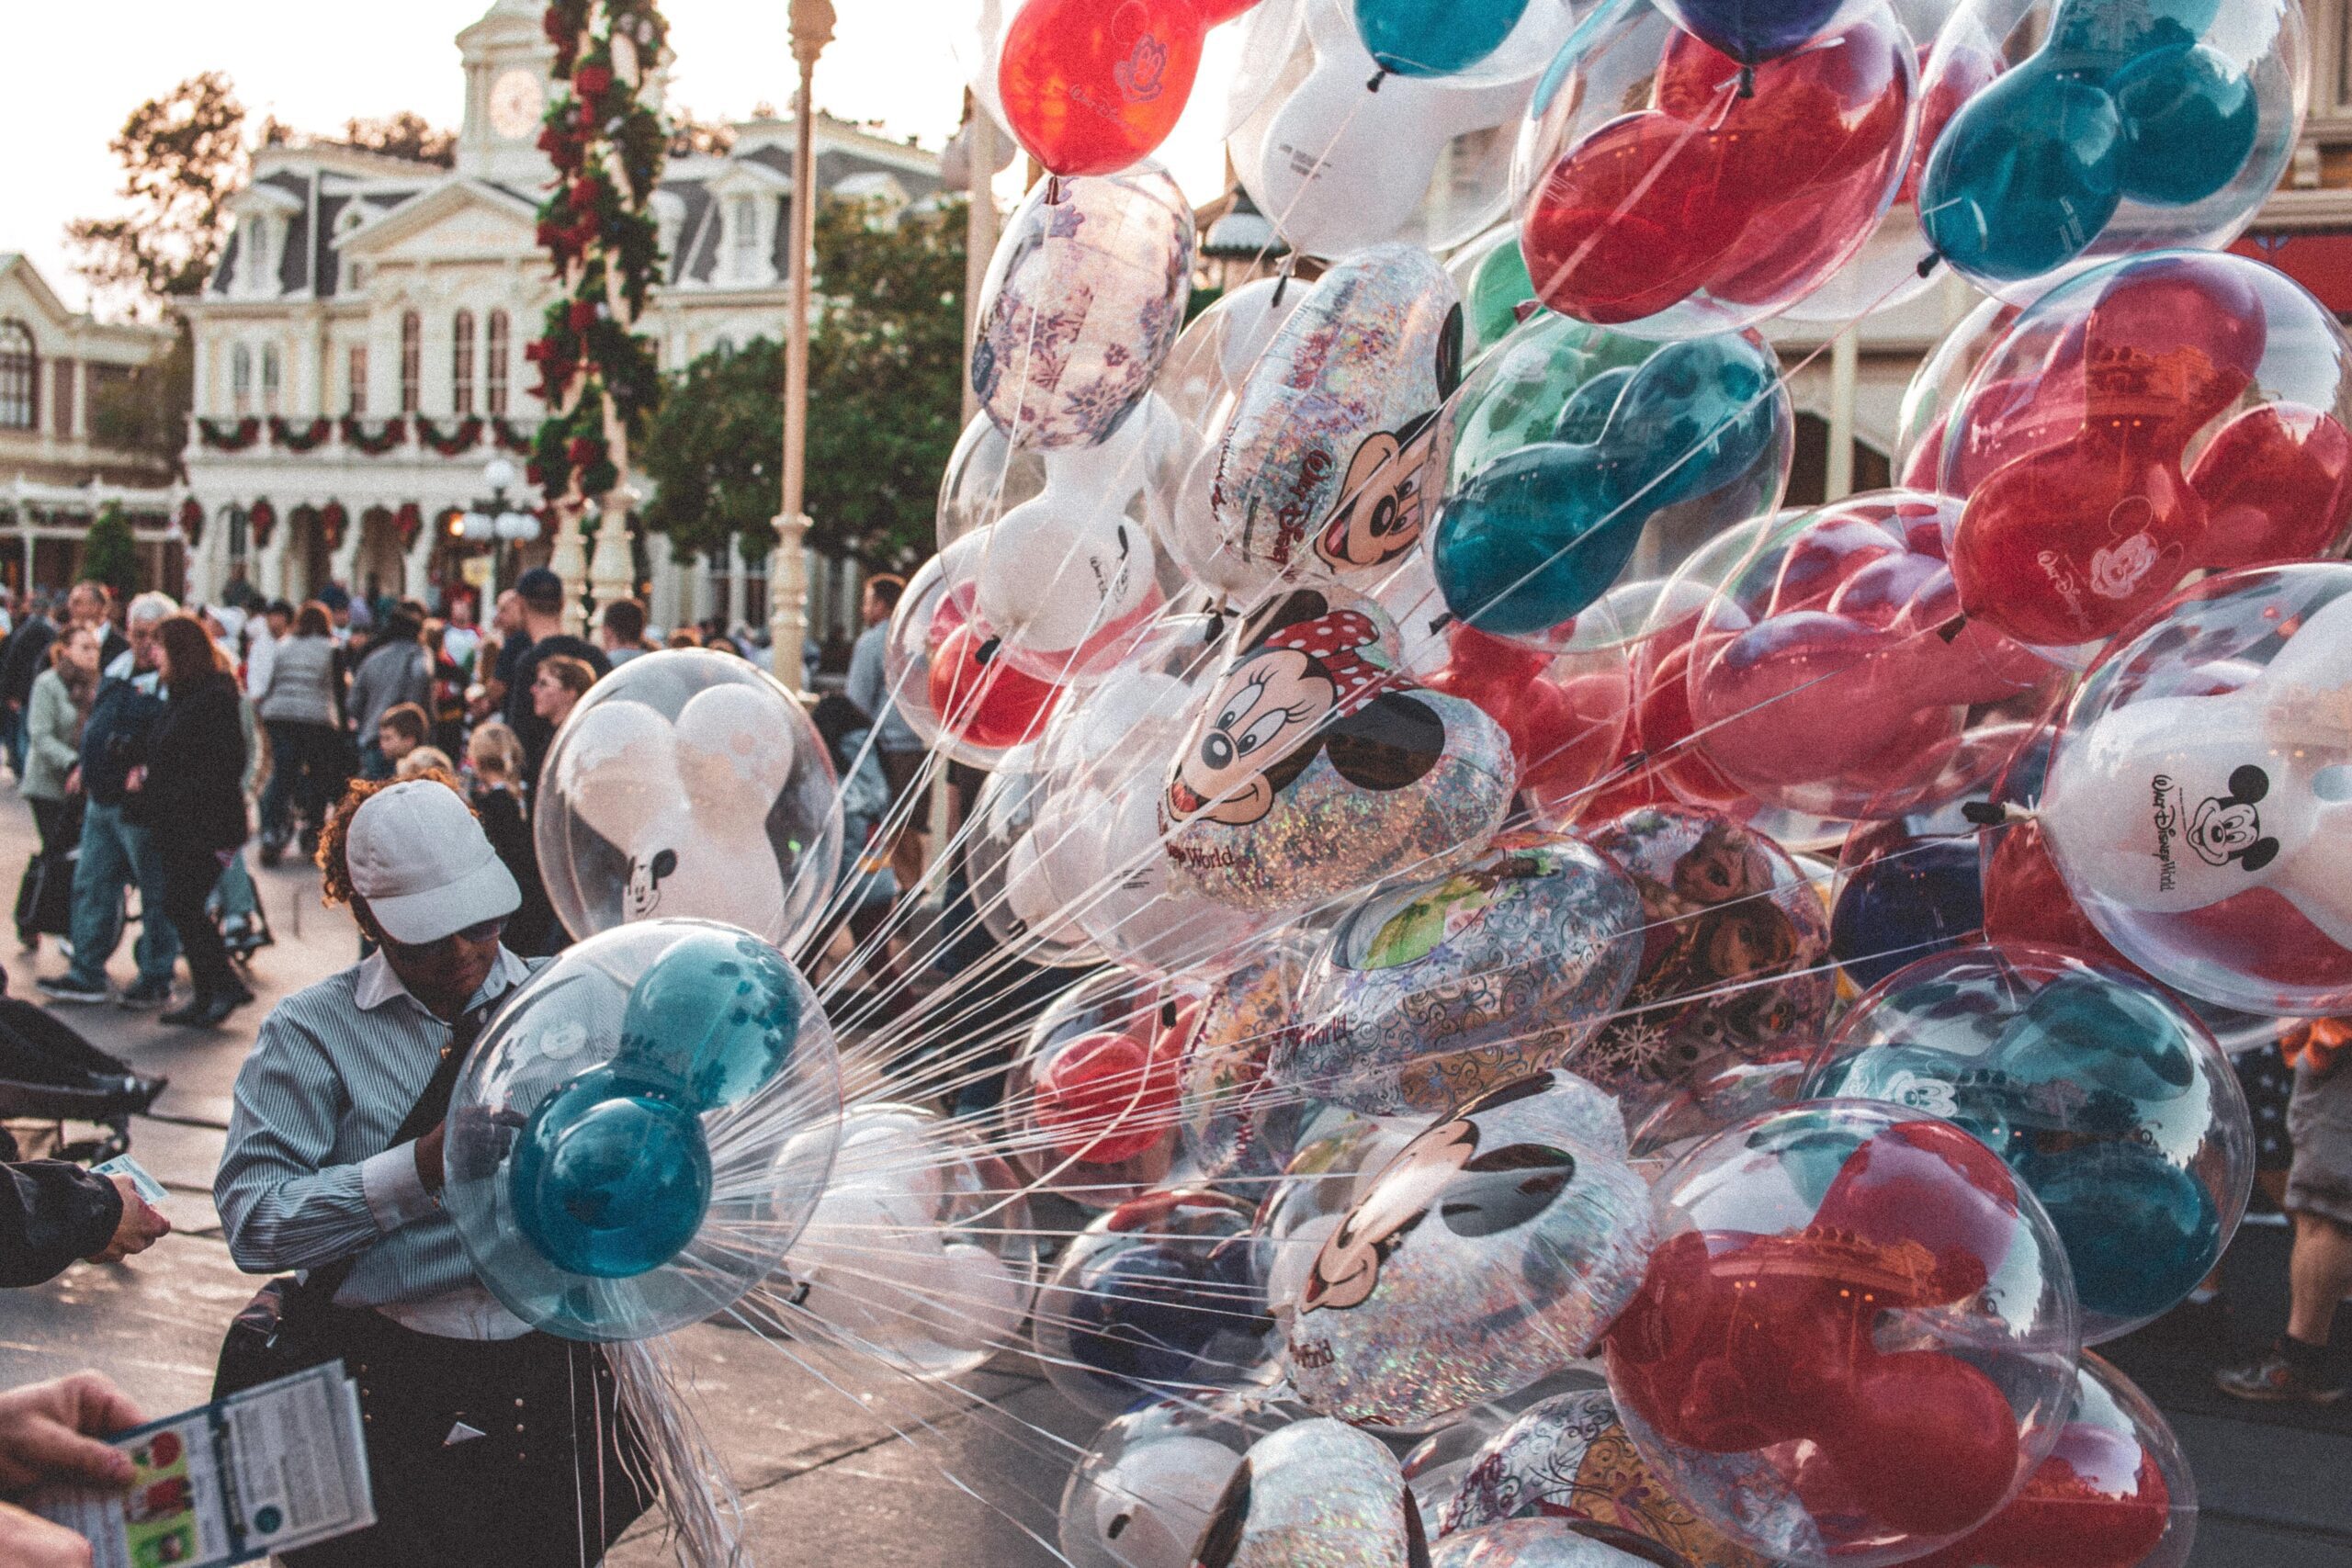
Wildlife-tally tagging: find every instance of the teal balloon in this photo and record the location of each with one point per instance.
(1434, 38)
(611, 1177)
(2026, 175)
(2098, 38)
(714, 1016)
(1537, 534)
(2189, 122)
(2104, 1038)
(2140, 1231)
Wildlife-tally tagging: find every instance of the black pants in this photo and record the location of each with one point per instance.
(552, 1481)
(59, 823)
(190, 872)
(306, 775)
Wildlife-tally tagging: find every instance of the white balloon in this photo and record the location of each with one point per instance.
(620, 769)
(731, 758)
(1150, 1507)
(1066, 584)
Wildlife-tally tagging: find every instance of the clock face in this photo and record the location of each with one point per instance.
(516, 101)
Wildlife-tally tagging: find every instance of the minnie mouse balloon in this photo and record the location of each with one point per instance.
(1672, 191)
(2103, 1094)
(1433, 990)
(1321, 470)
(637, 1138)
(687, 783)
(1089, 89)
(1338, 165)
(2155, 417)
(2195, 802)
(2116, 127)
(1760, 1372)
(1314, 766)
(1082, 301)
(1493, 1250)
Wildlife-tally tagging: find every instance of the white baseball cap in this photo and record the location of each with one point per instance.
(423, 864)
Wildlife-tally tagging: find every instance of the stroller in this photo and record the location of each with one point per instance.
(49, 1074)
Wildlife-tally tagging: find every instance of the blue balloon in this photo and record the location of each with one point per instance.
(2025, 177)
(1539, 534)
(1434, 38)
(1900, 908)
(2189, 125)
(2138, 1230)
(1752, 31)
(2098, 38)
(1149, 1312)
(714, 1016)
(610, 1179)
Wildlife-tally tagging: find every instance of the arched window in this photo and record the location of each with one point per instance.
(495, 374)
(411, 360)
(19, 378)
(462, 363)
(241, 380)
(272, 377)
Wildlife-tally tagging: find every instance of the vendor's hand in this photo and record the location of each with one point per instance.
(50, 1431)
(30, 1542)
(428, 1157)
(135, 780)
(141, 1225)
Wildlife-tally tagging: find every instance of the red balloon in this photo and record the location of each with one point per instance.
(982, 699)
(1633, 221)
(1967, 72)
(1106, 1097)
(1565, 734)
(2026, 901)
(2073, 1513)
(1090, 87)
(1924, 1444)
(2277, 483)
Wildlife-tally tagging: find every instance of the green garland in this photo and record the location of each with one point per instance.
(599, 378)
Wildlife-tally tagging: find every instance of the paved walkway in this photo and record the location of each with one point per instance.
(843, 1465)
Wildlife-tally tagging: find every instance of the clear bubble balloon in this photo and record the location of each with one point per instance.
(1835, 677)
(2105, 128)
(2155, 417)
(1154, 1298)
(1021, 901)
(1489, 1253)
(2104, 1096)
(1435, 990)
(1091, 1099)
(1907, 888)
(1149, 1484)
(941, 675)
(1855, 1339)
(921, 1251)
(1219, 347)
(689, 784)
(1082, 301)
(1497, 294)
(1144, 461)
(1935, 391)
(2194, 804)
(1314, 1494)
(642, 1130)
(1667, 189)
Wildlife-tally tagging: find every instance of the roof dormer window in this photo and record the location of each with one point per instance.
(259, 236)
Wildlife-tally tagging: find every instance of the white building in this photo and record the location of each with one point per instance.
(67, 382)
(359, 351)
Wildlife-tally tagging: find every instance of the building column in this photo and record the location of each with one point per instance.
(270, 563)
(734, 612)
(1845, 371)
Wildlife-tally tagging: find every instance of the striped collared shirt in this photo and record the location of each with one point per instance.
(308, 1177)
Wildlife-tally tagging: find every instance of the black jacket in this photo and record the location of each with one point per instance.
(114, 738)
(50, 1214)
(196, 768)
(27, 657)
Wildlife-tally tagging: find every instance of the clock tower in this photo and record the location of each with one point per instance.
(507, 61)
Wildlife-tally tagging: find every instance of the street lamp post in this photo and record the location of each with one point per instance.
(812, 30)
(493, 520)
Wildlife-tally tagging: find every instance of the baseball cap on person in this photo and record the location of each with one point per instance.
(540, 588)
(423, 864)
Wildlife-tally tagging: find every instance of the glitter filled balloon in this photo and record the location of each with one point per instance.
(2105, 1096)
(689, 784)
(1491, 1251)
(1733, 943)
(1569, 1458)
(615, 1175)
(1312, 766)
(1314, 1494)
(915, 1254)
(1856, 1339)
(1149, 1482)
(2116, 1492)
(1237, 1121)
(1430, 992)
(1155, 1297)
(1542, 1543)
(1082, 301)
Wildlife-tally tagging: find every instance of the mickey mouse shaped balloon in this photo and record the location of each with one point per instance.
(1320, 474)
(2197, 803)
(687, 783)
(1314, 766)
(1493, 1249)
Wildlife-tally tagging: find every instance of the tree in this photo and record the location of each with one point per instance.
(109, 554)
(182, 156)
(404, 135)
(884, 401)
(691, 136)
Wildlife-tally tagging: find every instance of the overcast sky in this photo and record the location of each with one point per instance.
(79, 69)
